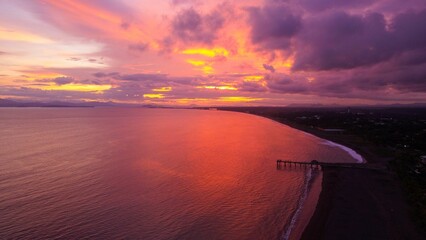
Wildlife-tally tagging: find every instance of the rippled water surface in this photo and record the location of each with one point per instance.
(111, 173)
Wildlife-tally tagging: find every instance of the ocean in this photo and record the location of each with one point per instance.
(117, 173)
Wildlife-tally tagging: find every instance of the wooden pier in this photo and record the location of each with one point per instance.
(317, 164)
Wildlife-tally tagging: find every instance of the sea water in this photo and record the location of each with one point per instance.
(115, 173)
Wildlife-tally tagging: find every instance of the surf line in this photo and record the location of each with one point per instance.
(309, 177)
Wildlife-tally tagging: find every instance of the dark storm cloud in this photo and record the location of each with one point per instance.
(409, 31)
(190, 26)
(343, 41)
(272, 26)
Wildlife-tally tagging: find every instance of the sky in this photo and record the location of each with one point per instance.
(214, 53)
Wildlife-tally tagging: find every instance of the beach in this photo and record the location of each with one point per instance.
(359, 203)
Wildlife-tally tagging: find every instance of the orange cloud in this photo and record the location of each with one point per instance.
(219, 87)
(162, 89)
(239, 99)
(78, 87)
(97, 18)
(153, 95)
(253, 78)
(207, 68)
(196, 63)
(23, 37)
(206, 52)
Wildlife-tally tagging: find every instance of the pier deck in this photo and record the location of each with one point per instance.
(317, 164)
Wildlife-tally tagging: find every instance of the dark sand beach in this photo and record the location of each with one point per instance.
(360, 203)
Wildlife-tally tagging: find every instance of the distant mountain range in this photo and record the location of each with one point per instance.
(19, 103)
(16, 103)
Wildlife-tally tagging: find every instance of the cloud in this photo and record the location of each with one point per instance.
(251, 87)
(407, 31)
(63, 80)
(359, 49)
(102, 74)
(142, 77)
(321, 5)
(407, 79)
(75, 59)
(125, 25)
(339, 40)
(181, 2)
(414, 57)
(272, 26)
(50, 95)
(269, 68)
(285, 84)
(190, 26)
(141, 47)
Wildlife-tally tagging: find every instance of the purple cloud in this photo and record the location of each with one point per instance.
(272, 26)
(142, 77)
(102, 74)
(251, 87)
(141, 47)
(321, 5)
(269, 68)
(190, 26)
(342, 41)
(63, 80)
(179, 2)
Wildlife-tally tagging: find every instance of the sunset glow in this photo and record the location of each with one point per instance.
(78, 87)
(220, 87)
(276, 52)
(207, 52)
(153, 95)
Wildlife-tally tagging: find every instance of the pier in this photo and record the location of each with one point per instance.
(317, 164)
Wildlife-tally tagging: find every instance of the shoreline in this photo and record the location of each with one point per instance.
(358, 203)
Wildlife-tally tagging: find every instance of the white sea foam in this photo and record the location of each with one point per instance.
(302, 199)
(351, 152)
